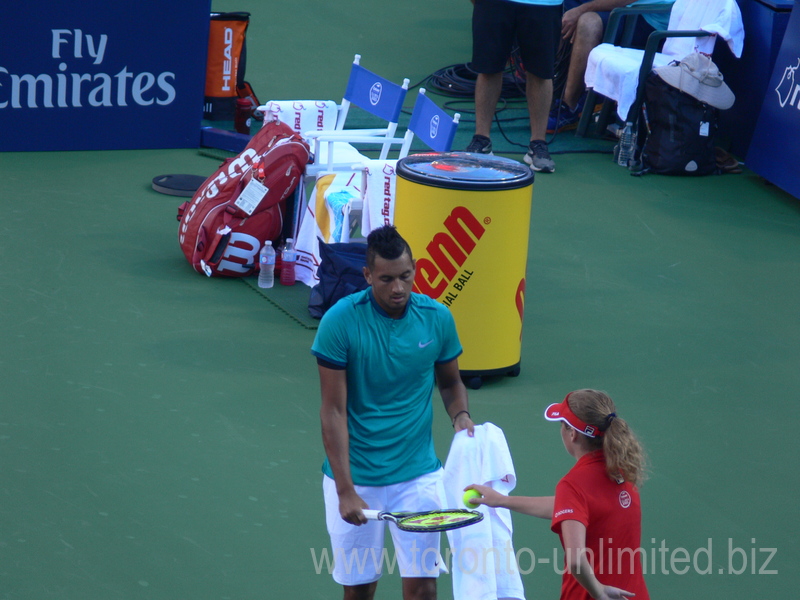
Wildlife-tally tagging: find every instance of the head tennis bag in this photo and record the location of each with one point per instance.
(241, 206)
(225, 65)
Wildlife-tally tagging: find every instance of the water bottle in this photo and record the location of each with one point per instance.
(266, 264)
(241, 116)
(625, 145)
(288, 260)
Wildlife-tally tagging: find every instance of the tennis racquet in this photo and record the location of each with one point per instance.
(430, 521)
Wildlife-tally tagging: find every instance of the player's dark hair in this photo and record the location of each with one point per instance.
(387, 243)
(625, 457)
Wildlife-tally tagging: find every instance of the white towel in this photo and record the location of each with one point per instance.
(302, 115)
(483, 561)
(380, 195)
(614, 71)
(720, 17)
(323, 219)
(326, 211)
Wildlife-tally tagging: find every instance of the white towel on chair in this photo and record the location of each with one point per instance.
(302, 115)
(720, 17)
(380, 195)
(613, 71)
(483, 560)
(322, 219)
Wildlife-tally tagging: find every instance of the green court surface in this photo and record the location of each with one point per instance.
(159, 430)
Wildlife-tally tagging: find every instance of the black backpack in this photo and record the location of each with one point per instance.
(680, 131)
(340, 274)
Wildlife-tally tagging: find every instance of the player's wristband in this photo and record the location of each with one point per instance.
(458, 413)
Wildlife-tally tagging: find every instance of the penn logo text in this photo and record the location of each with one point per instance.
(447, 253)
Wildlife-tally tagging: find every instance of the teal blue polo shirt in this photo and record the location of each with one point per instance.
(390, 380)
(658, 21)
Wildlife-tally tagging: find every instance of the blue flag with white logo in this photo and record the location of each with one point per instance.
(432, 125)
(375, 94)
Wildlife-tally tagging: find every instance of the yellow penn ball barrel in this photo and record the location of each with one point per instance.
(467, 217)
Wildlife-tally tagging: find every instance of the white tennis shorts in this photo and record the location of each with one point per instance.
(359, 554)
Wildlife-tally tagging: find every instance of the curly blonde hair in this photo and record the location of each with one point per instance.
(624, 454)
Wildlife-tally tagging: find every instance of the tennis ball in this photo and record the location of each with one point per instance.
(468, 496)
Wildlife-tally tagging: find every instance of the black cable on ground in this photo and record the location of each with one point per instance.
(458, 81)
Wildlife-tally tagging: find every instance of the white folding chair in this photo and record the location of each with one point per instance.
(374, 186)
(323, 125)
(432, 126)
(333, 149)
(302, 115)
(619, 73)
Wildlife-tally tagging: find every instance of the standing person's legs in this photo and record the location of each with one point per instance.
(492, 39)
(357, 550)
(539, 95)
(538, 30)
(360, 592)
(487, 93)
(419, 588)
(418, 554)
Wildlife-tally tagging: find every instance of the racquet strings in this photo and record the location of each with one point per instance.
(439, 520)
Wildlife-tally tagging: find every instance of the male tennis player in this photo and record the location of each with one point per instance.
(379, 352)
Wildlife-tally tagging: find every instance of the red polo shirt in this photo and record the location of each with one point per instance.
(613, 518)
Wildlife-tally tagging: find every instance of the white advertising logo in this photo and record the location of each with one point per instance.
(788, 89)
(242, 248)
(434, 126)
(375, 93)
(227, 63)
(70, 89)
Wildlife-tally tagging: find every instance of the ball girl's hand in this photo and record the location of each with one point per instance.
(489, 496)
(612, 593)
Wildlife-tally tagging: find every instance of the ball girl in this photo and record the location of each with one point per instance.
(595, 510)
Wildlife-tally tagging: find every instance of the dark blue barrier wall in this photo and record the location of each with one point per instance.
(764, 25)
(774, 151)
(96, 75)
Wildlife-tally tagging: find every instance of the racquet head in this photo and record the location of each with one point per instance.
(438, 520)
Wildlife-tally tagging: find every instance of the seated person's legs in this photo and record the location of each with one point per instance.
(585, 29)
(588, 34)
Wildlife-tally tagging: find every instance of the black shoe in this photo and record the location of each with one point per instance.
(538, 157)
(480, 144)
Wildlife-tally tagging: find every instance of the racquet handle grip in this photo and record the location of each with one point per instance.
(372, 515)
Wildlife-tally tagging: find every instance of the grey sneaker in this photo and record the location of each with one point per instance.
(480, 144)
(538, 157)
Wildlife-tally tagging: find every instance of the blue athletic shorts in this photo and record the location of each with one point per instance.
(497, 25)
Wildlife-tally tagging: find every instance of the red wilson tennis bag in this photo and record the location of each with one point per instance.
(241, 206)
